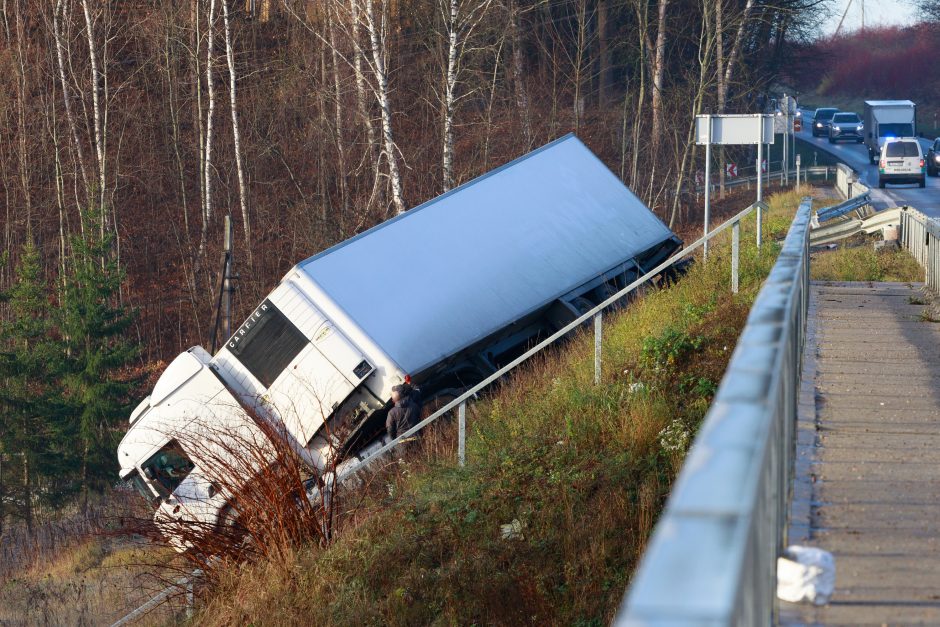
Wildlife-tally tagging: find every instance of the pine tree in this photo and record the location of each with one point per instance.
(35, 438)
(93, 326)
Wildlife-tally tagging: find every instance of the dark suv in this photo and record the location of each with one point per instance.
(846, 126)
(822, 119)
(933, 158)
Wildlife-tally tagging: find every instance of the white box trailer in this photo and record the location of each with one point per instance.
(887, 118)
(444, 294)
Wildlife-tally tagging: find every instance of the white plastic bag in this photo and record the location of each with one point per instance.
(806, 573)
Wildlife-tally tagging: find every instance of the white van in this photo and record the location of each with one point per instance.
(902, 161)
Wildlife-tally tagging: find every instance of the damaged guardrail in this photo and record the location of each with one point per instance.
(712, 557)
(842, 208)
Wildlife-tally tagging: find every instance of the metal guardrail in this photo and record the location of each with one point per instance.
(594, 314)
(920, 235)
(182, 582)
(821, 171)
(843, 208)
(842, 229)
(712, 557)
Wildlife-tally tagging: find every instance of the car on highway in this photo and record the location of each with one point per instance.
(933, 158)
(902, 161)
(822, 119)
(846, 125)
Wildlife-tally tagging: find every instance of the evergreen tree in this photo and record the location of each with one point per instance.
(36, 440)
(93, 326)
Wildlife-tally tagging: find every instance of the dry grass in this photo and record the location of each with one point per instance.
(858, 261)
(76, 570)
(583, 469)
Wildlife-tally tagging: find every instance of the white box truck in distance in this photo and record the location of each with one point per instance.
(445, 293)
(887, 119)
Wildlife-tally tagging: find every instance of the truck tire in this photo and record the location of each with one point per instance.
(832, 141)
(881, 183)
(922, 182)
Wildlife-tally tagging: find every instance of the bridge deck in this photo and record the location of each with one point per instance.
(868, 454)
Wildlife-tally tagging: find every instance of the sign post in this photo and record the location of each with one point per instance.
(708, 181)
(733, 129)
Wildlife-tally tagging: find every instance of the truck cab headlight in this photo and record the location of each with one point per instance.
(819, 125)
(859, 128)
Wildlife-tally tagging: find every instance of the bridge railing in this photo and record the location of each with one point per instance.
(712, 557)
(920, 236)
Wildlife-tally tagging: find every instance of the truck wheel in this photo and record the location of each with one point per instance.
(832, 141)
(881, 183)
(922, 182)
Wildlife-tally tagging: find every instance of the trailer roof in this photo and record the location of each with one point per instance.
(434, 280)
(889, 103)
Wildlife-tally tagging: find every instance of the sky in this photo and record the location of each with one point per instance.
(877, 13)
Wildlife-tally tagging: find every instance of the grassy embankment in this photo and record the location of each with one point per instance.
(582, 471)
(858, 261)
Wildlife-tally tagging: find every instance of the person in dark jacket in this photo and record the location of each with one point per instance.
(404, 415)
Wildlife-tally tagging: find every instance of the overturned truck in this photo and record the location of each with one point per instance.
(443, 294)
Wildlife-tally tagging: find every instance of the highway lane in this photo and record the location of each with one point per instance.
(856, 156)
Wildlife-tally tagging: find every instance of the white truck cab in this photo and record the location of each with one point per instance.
(287, 365)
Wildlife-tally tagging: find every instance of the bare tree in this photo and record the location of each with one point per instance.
(236, 133)
(658, 70)
(99, 112)
(210, 116)
(338, 120)
(518, 75)
(376, 28)
(460, 17)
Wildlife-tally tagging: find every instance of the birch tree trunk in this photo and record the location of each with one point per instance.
(338, 124)
(97, 113)
(376, 32)
(362, 103)
(58, 10)
(518, 78)
(207, 152)
(719, 63)
(461, 17)
(21, 95)
(659, 68)
(450, 81)
(706, 48)
(236, 133)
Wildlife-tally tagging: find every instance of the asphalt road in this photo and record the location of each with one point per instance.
(856, 156)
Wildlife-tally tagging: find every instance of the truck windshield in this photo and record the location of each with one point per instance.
(167, 468)
(896, 130)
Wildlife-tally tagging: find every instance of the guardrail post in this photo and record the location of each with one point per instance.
(190, 601)
(735, 245)
(598, 336)
(462, 434)
(760, 216)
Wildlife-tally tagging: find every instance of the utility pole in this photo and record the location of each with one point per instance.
(223, 306)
